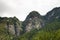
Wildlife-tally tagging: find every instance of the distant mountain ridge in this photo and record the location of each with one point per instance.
(53, 14)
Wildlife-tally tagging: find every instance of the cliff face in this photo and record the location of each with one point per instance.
(33, 21)
(12, 25)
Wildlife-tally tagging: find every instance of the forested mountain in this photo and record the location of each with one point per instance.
(34, 27)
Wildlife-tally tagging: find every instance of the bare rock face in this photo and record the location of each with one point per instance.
(16, 27)
(11, 29)
(33, 21)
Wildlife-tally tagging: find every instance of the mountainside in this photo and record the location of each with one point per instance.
(53, 14)
(34, 27)
(33, 21)
(51, 31)
(12, 25)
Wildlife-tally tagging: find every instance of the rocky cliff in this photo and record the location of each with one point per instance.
(12, 25)
(34, 21)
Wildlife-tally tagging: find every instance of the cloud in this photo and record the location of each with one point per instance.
(6, 9)
(21, 8)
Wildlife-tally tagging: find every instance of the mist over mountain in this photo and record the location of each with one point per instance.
(34, 26)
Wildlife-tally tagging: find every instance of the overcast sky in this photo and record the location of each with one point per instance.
(21, 8)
